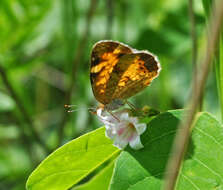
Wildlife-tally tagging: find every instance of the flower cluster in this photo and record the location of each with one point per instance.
(122, 128)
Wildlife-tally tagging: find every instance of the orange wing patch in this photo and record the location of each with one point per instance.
(105, 55)
(136, 71)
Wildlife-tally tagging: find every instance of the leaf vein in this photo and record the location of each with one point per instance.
(211, 137)
(161, 136)
(210, 169)
(190, 181)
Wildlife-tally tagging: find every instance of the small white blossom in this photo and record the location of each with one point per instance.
(122, 128)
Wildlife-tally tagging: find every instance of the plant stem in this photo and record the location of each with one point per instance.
(183, 134)
(219, 74)
(22, 109)
(194, 43)
(193, 35)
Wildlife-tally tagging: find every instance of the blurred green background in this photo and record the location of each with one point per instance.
(45, 47)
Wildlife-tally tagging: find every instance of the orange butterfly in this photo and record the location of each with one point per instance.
(118, 72)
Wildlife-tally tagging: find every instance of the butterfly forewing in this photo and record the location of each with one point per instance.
(105, 55)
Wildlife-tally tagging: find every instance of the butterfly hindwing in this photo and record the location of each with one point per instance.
(132, 74)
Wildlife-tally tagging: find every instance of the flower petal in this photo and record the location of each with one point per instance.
(140, 128)
(120, 143)
(136, 143)
(99, 112)
(124, 116)
(106, 119)
(121, 124)
(133, 120)
(122, 128)
(110, 133)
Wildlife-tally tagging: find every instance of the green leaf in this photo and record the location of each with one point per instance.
(8, 132)
(72, 162)
(219, 76)
(202, 167)
(100, 181)
(207, 4)
(6, 102)
(218, 62)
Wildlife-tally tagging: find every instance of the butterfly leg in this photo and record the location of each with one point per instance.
(113, 115)
(131, 105)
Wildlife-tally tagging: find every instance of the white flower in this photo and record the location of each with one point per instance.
(122, 128)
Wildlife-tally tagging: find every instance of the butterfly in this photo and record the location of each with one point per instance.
(118, 72)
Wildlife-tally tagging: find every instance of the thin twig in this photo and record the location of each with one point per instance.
(77, 59)
(183, 134)
(22, 109)
(193, 34)
(110, 15)
(194, 44)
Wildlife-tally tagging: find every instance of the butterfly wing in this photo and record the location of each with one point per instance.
(132, 74)
(105, 55)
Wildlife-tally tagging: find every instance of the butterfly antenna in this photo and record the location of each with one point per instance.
(92, 111)
(79, 108)
(70, 105)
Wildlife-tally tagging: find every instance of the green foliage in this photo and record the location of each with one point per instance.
(38, 44)
(137, 169)
(207, 4)
(220, 73)
(100, 181)
(203, 160)
(218, 63)
(6, 102)
(72, 162)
